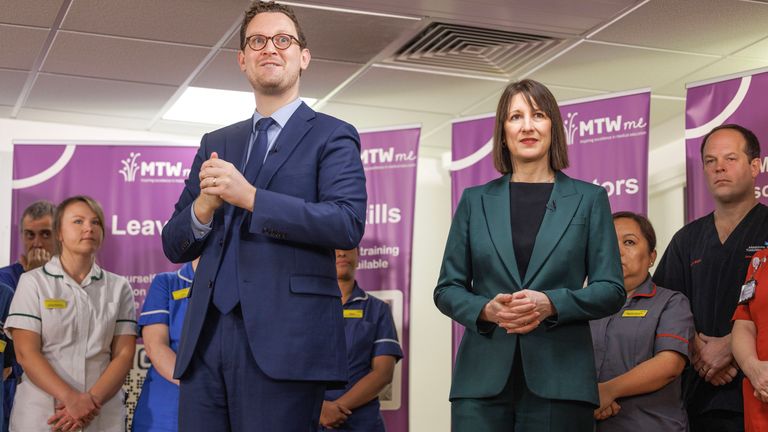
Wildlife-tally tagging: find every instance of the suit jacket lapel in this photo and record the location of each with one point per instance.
(497, 218)
(561, 207)
(290, 137)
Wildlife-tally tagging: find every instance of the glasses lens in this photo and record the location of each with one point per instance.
(282, 41)
(257, 42)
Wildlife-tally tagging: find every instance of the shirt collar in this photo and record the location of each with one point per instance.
(281, 116)
(357, 295)
(646, 289)
(186, 273)
(53, 269)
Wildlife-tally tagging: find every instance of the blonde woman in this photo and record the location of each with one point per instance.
(73, 325)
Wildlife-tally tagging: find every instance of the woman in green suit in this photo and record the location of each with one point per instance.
(531, 257)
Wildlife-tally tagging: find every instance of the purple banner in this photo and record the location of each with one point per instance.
(607, 145)
(739, 100)
(384, 268)
(136, 185)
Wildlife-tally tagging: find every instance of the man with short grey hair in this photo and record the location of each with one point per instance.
(36, 227)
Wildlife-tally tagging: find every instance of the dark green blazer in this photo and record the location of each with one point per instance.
(576, 241)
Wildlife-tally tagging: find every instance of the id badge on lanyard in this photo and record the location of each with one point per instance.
(750, 286)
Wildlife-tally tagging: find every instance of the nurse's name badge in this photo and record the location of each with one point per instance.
(353, 313)
(55, 303)
(181, 293)
(634, 313)
(747, 291)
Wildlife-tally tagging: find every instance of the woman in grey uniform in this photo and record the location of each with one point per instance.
(640, 351)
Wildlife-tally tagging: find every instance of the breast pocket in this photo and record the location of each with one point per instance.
(58, 321)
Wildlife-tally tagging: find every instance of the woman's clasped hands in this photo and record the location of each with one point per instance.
(520, 312)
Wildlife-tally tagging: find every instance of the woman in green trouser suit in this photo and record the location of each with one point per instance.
(517, 256)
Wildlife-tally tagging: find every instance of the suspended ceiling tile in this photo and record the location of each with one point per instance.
(11, 83)
(728, 66)
(372, 117)
(703, 26)
(354, 38)
(196, 22)
(758, 50)
(38, 13)
(617, 68)
(20, 46)
(107, 121)
(123, 59)
(417, 91)
(323, 76)
(233, 43)
(223, 73)
(5, 111)
(98, 96)
(560, 16)
(565, 94)
(182, 128)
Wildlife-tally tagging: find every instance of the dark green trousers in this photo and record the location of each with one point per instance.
(517, 409)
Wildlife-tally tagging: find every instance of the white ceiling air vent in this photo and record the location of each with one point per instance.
(474, 49)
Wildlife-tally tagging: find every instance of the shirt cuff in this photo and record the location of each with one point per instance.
(199, 229)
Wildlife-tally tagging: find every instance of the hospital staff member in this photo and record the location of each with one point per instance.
(160, 325)
(641, 350)
(750, 344)
(372, 351)
(74, 329)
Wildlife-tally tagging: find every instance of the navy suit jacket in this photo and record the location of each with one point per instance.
(310, 200)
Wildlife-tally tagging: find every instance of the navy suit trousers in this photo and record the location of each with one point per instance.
(225, 390)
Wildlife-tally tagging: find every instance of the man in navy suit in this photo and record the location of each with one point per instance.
(266, 203)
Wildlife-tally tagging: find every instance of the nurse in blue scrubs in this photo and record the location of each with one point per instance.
(160, 325)
(372, 351)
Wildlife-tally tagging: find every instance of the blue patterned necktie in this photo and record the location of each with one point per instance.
(259, 150)
(226, 291)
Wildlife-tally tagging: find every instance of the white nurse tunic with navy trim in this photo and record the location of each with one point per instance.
(77, 323)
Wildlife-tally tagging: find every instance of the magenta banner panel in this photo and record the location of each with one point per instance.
(136, 185)
(740, 100)
(384, 270)
(607, 145)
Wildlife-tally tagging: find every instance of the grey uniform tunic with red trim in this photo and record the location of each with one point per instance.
(654, 319)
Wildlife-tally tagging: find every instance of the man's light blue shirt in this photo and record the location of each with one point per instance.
(280, 117)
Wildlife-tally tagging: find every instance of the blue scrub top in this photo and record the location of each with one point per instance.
(10, 275)
(6, 295)
(370, 332)
(9, 278)
(166, 303)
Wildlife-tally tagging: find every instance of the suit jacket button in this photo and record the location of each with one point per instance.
(210, 284)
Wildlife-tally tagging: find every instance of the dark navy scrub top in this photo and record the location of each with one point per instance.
(370, 332)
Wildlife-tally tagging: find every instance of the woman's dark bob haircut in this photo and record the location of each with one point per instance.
(539, 97)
